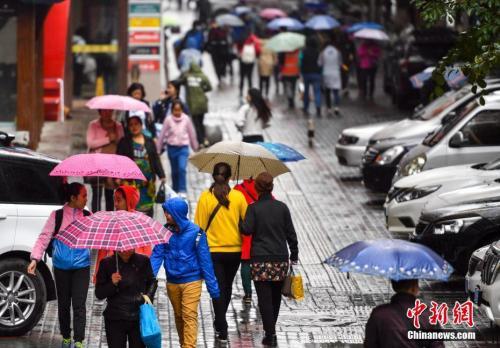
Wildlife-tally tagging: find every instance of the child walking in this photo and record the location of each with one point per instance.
(187, 261)
(178, 134)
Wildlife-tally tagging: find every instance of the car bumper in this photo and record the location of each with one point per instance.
(349, 155)
(378, 178)
(403, 217)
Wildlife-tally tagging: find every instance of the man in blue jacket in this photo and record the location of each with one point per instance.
(187, 261)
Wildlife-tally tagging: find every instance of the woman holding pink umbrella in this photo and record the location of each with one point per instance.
(103, 136)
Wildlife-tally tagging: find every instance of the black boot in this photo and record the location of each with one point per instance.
(318, 112)
(270, 341)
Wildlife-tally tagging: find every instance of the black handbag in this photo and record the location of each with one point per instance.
(161, 195)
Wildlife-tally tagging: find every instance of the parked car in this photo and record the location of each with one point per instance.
(473, 276)
(409, 56)
(470, 135)
(457, 230)
(27, 197)
(388, 146)
(486, 293)
(406, 199)
(352, 141)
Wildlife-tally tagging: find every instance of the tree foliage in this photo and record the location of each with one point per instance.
(477, 51)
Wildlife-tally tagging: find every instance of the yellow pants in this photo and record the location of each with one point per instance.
(185, 299)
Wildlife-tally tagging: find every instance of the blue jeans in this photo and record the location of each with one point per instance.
(178, 157)
(315, 81)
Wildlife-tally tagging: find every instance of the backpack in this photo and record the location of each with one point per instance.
(248, 54)
(59, 217)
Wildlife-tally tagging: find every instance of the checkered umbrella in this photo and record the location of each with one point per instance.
(114, 230)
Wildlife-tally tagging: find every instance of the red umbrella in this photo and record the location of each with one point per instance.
(272, 13)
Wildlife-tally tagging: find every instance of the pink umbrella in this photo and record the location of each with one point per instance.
(114, 230)
(117, 102)
(100, 165)
(272, 13)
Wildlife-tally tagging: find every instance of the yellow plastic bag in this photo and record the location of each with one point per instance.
(297, 286)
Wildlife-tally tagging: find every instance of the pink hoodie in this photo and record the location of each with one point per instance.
(177, 131)
(41, 244)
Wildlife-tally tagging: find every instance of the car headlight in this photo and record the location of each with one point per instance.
(416, 193)
(388, 156)
(347, 139)
(454, 226)
(415, 166)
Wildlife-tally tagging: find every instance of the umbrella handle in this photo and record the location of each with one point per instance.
(117, 270)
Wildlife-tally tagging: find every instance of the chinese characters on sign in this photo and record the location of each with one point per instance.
(462, 313)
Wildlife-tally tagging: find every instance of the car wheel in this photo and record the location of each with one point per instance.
(22, 298)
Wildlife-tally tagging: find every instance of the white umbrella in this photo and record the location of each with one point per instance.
(229, 20)
(371, 34)
(246, 160)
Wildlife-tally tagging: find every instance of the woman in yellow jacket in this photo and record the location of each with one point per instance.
(219, 212)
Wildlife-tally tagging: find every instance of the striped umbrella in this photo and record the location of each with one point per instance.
(246, 160)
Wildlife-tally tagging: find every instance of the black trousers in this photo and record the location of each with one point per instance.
(290, 84)
(96, 199)
(253, 138)
(118, 332)
(219, 62)
(264, 82)
(199, 127)
(269, 296)
(367, 81)
(225, 268)
(72, 287)
(246, 72)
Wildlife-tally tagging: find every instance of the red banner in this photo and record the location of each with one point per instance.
(144, 37)
(145, 65)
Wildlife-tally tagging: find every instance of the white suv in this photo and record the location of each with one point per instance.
(27, 197)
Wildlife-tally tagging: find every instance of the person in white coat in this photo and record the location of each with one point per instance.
(253, 117)
(331, 62)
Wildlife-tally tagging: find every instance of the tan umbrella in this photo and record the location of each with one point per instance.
(246, 160)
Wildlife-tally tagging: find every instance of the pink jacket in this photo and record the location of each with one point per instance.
(97, 136)
(41, 244)
(177, 131)
(368, 55)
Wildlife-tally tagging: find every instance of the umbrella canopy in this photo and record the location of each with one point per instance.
(391, 258)
(455, 78)
(240, 10)
(322, 22)
(114, 230)
(286, 42)
(117, 102)
(284, 152)
(364, 25)
(287, 22)
(100, 165)
(229, 20)
(246, 160)
(272, 13)
(371, 34)
(418, 80)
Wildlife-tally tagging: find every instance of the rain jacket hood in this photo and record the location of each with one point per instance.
(186, 257)
(132, 196)
(178, 209)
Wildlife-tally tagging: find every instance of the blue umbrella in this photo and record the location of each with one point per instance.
(364, 25)
(315, 5)
(322, 22)
(240, 10)
(284, 152)
(418, 80)
(391, 258)
(455, 78)
(287, 22)
(188, 56)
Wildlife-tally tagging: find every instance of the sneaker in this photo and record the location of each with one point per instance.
(337, 111)
(222, 339)
(270, 341)
(66, 343)
(78, 345)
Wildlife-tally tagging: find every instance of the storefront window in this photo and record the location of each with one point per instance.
(8, 64)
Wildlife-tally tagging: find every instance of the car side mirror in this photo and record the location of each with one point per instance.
(448, 117)
(457, 140)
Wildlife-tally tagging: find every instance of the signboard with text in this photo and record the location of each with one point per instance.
(149, 65)
(136, 37)
(144, 8)
(144, 50)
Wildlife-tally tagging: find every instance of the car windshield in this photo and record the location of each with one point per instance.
(454, 118)
(435, 107)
